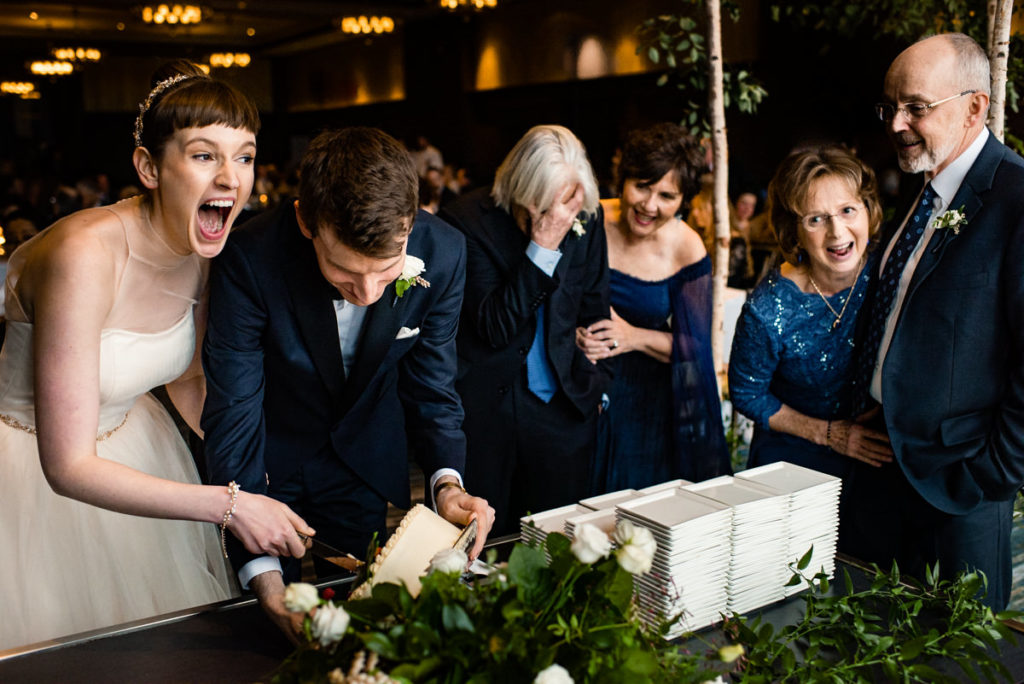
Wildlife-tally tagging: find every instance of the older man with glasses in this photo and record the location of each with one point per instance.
(941, 344)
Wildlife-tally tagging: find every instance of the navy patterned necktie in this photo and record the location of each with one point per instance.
(885, 293)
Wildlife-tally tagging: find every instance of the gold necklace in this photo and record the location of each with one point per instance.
(837, 314)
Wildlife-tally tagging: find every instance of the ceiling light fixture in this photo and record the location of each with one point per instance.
(79, 54)
(172, 14)
(224, 60)
(43, 68)
(21, 88)
(364, 24)
(469, 4)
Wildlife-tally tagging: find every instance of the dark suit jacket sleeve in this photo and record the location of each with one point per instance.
(595, 304)
(426, 386)
(233, 419)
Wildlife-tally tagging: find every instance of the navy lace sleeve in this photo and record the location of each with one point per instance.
(700, 439)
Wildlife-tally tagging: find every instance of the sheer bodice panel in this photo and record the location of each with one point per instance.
(148, 338)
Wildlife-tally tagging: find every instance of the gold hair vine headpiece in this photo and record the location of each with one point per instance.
(153, 94)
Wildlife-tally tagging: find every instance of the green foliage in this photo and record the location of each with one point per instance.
(507, 627)
(906, 21)
(895, 630)
(678, 43)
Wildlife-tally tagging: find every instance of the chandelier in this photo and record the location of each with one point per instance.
(172, 14)
(42, 68)
(223, 60)
(364, 24)
(474, 4)
(79, 54)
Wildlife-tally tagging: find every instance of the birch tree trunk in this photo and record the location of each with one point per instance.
(1000, 13)
(720, 203)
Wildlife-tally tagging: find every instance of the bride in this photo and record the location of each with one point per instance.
(103, 306)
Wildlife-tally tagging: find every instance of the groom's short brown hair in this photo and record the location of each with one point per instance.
(361, 183)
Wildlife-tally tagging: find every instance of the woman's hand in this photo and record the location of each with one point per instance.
(549, 227)
(268, 527)
(611, 337)
(860, 442)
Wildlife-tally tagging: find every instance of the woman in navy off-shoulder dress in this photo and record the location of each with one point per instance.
(790, 369)
(663, 420)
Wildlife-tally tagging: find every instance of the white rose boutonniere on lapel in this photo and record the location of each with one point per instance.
(951, 218)
(411, 271)
(577, 228)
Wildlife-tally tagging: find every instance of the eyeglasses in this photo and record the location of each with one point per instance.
(815, 222)
(912, 110)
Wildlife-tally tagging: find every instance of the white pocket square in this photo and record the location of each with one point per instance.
(406, 332)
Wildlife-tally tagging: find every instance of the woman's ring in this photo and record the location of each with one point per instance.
(615, 344)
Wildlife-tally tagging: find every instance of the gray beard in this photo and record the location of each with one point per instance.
(928, 159)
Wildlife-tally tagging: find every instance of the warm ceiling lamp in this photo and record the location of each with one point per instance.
(21, 88)
(51, 68)
(364, 24)
(223, 60)
(79, 54)
(474, 4)
(172, 14)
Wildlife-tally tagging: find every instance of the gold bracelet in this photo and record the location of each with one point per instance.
(233, 490)
(445, 485)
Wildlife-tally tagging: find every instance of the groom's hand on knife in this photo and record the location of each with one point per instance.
(457, 506)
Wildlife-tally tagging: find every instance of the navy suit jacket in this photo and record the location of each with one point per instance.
(276, 390)
(503, 292)
(953, 378)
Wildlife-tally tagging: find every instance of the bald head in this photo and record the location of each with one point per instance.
(949, 74)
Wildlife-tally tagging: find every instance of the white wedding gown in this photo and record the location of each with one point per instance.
(66, 566)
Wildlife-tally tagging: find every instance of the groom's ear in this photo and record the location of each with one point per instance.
(146, 167)
(302, 224)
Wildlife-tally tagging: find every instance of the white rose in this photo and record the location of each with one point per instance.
(590, 544)
(300, 597)
(447, 561)
(413, 267)
(553, 674)
(716, 680)
(636, 547)
(329, 624)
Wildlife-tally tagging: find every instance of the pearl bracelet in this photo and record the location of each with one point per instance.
(233, 490)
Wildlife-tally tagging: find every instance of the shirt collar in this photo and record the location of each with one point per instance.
(950, 178)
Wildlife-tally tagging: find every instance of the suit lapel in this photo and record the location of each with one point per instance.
(383, 321)
(977, 181)
(314, 309)
(500, 236)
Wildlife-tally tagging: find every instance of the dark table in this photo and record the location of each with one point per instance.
(234, 642)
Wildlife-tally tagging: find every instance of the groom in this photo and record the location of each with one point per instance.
(330, 347)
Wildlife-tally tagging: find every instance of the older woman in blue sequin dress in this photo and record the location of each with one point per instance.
(790, 369)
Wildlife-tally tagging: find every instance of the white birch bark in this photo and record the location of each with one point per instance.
(720, 203)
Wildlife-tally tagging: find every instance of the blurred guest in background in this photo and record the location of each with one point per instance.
(790, 368)
(537, 269)
(664, 418)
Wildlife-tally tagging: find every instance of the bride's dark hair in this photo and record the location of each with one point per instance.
(182, 96)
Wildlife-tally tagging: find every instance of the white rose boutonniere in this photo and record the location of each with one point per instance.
(577, 228)
(411, 271)
(553, 674)
(951, 218)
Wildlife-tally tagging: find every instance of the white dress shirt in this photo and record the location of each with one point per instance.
(350, 327)
(945, 186)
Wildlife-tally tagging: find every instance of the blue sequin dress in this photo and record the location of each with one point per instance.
(664, 419)
(786, 351)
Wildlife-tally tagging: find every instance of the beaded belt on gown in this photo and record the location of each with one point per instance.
(18, 425)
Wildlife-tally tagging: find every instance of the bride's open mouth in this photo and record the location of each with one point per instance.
(213, 218)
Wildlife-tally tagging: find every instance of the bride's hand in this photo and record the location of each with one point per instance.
(268, 527)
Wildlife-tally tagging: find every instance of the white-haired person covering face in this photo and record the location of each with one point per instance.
(543, 162)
